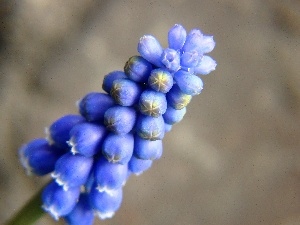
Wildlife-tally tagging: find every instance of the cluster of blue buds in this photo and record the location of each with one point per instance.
(118, 133)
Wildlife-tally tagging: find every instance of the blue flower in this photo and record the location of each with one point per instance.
(152, 103)
(82, 213)
(105, 204)
(138, 166)
(86, 138)
(138, 69)
(160, 80)
(110, 78)
(125, 92)
(108, 175)
(72, 170)
(147, 149)
(171, 59)
(38, 157)
(188, 83)
(150, 128)
(120, 119)
(94, 105)
(177, 98)
(176, 37)
(118, 133)
(58, 201)
(59, 132)
(118, 148)
(173, 116)
(151, 50)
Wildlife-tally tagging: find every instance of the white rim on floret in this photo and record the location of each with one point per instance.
(105, 215)
(48, 136)
(52, 210)
(60, 181)
(25, 163)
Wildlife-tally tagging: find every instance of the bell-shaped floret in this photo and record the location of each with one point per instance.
(72, 170)
(82, 213)
(87, 138)
(59, 132)
(94, 105)
(109, 176)
(138, 69)
(118, 148)
(38, 157)
(105, 204)
(120, 119)
(57, 201)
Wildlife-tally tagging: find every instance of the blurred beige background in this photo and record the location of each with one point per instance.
(234, 159)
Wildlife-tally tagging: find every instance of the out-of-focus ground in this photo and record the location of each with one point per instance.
(234, 159)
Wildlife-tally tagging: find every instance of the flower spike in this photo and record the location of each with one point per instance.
(118, 133)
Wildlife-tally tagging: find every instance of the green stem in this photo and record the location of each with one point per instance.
(30, 212)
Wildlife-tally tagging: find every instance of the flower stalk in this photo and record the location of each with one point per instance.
(30, 212)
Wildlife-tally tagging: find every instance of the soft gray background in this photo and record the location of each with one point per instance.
(233, 160)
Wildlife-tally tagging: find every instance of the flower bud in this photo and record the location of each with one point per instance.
(125, 92)
(207, 44)
(188, 83)
(86, 139)
(190, 59)
(120, 119)
(138, 166)
(110, 78)
(118, 148)
(152, 103)
(138, 69)
(150, 128)
(146, 149)
(173, 116)
(177, 99)
(57, 201)
(151, 50)
(206, 65)
(193, 40)
(160, 80)
(171, 59)
(176, 37)
(94, 105)
(72, 170)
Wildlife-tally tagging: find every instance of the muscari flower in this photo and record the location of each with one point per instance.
(118, 133)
